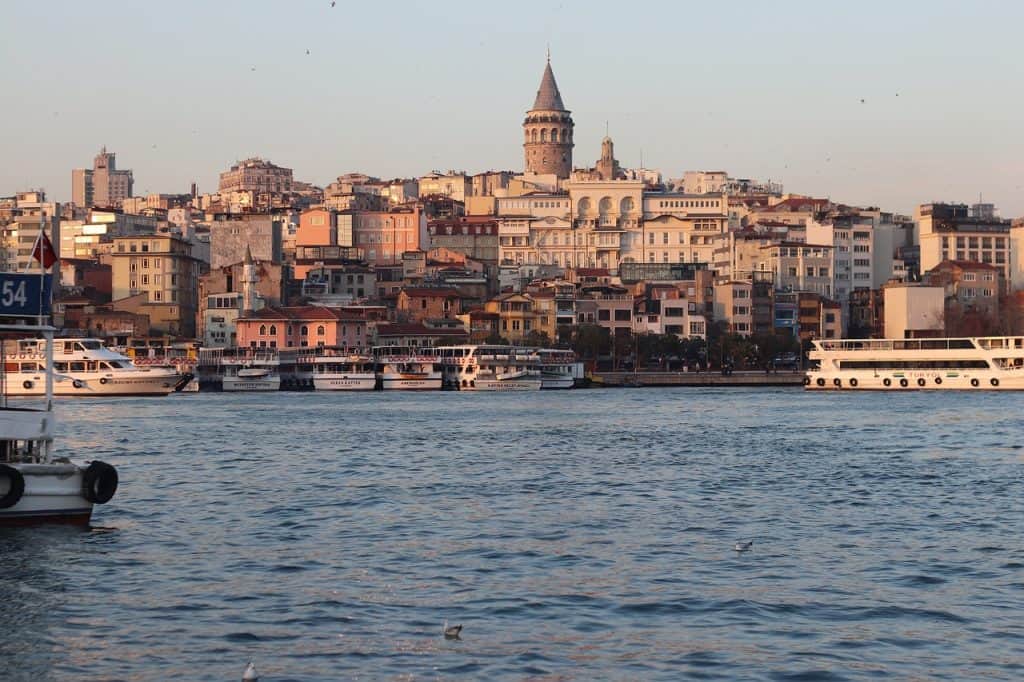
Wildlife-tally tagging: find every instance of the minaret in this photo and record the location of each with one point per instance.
(249, 281)
(548, 130)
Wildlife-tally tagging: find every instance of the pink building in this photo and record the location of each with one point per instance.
(300, 327)
(383, 236)
(317, 227)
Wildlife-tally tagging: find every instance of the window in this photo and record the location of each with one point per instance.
(969, 277)
(263, 330)
(320, 331)
(664, 237)
(304, 331)
(810, 272)
(273, 330)
(822, 272)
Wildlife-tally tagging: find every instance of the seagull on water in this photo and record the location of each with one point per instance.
(250, 674)
(743, 546)
(451, 631)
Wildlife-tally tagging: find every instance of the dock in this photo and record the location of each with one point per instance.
(646, 379)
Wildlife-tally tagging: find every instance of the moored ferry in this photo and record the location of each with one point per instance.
(491, 368)
(82, 367)
(970, 363)
(559, 369)
(340, 370)
(407, 368)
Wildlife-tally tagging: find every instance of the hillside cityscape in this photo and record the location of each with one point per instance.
(628, 266)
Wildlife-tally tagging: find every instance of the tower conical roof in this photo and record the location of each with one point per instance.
(548, 97)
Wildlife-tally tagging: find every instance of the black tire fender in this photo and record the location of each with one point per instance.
(853, 383)
(921, 382)
(17, 488)
(27, 384)
(887, 381)
(904, 383)
(975, 383)
(99, 482)
(77, 383)
(994, 381)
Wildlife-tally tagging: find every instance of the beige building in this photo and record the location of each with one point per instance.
(913, 311)
(801, 267)
(950, 232)
(103, 184)
(256, 175)
(161, 267)
(456, 186)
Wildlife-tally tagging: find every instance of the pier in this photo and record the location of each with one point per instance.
(644, 379)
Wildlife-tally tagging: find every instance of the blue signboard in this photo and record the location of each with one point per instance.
(24, 295)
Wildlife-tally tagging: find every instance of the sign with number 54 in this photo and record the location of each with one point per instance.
(24, 295)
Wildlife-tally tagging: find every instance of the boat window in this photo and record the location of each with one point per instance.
(91, 344)
(28, 367)
(60, 366)
(913, 364)
(77, 366)
(69, 347)
(92, 365)
(104, 365)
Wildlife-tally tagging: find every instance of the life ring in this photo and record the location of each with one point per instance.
(837, 382)
(938, 380)
(921, 382)
(27, 384)
(77, 383)
(99, 482)
(807, 381)
(974, 383)
(904, 383)
(17, 488)
(103, 380)
(820, 381)
(994, 381)
(853, 383)
(887, 381)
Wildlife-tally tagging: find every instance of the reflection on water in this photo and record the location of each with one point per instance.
(576, 535)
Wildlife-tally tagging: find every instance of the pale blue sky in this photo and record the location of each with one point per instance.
(765, 90)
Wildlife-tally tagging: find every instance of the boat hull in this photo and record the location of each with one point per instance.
(502, 385)
(398, 383)
(243, 384)
(345, 382)
(550, 383)
(53, 494)
(95, 385)
(920, 381)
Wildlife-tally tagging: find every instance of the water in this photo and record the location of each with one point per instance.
(576, 535)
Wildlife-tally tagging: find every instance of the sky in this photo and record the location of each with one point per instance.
(888, 104)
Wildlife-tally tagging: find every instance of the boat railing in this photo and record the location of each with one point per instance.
(861, 345)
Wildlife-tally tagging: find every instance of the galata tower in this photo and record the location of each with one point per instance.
(548, 131)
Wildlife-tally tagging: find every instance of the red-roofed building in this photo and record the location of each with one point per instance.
(301, 326)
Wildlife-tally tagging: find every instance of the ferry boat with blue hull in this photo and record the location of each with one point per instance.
(968, 363)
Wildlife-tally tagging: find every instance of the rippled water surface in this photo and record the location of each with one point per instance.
(577, 535)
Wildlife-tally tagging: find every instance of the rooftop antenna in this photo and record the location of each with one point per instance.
(549, 53)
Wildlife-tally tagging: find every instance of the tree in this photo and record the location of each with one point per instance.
(496, 339)
(538, 339)
(591, 341)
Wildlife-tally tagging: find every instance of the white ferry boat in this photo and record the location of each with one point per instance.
(35, 485)
(559, 369)
(407, 369)
(975, 363)
(491, 368)
(82, 367)
(251, 371)
(335, 370)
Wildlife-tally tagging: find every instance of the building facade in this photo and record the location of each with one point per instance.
(103, 184)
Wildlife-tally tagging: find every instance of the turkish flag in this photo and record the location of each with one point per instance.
(43, 251)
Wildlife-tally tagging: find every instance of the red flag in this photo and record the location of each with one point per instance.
(43, 251)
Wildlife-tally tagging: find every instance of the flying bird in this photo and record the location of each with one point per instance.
(451, 631)
(744, 546)
(307, 51)
(332, 3)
